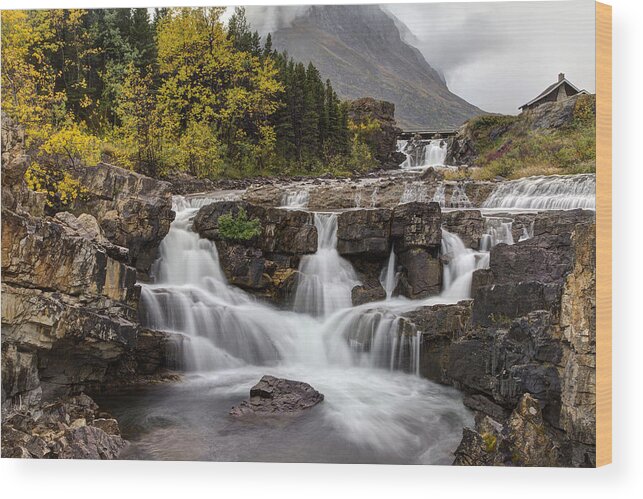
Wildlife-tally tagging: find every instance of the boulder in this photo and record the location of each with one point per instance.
(288, 232)
(366, 294)
(365, 232)
(276, 396)
(68, 428)
(417, 225)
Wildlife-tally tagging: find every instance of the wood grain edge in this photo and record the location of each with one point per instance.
(603, 234)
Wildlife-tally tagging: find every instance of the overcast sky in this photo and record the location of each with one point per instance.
(500, 55)
(497, 56)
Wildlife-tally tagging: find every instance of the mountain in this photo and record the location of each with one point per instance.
(363, 52)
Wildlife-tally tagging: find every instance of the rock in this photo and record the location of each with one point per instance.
(67, 428)
(363, 294)
(133, 211)
(531, 445)
(15, 161)
(469, 225)
(529, 275)
(440, 326)
(89, 442)
(421, 274)
(277, 396)
(39, 253)
(383, 142)
(288, 232)
(416, 225)
(109, 426)
(365, 232)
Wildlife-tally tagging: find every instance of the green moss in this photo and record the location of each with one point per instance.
(238, 228)
(490, 442)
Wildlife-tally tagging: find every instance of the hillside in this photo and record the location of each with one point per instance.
(362, 52)
(554, 138)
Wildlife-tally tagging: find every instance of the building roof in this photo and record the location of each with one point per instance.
(551, 88)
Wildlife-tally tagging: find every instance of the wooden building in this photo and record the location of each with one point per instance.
(561, 90)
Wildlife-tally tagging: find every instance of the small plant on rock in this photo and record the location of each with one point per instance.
(239, 227)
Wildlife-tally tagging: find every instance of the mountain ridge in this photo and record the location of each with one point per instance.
(361, 50)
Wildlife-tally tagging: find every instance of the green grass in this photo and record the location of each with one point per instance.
(509, 148)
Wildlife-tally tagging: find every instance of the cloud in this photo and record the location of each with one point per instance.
(500, 55)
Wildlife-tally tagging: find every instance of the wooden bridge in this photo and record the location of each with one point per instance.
(428, 134)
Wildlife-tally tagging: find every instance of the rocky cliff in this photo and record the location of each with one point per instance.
(523, 350)
(69, 303)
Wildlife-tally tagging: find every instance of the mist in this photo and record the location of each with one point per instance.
(494, 55)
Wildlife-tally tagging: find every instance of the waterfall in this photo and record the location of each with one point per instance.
(497, 230)
(459, 198)
(461, 263)
(388, 276)
(414, 192)
(325, 278)
(219, 326)
(295, 199)
(422, 153)
(435, 152)
(554, 192)
(440, 195)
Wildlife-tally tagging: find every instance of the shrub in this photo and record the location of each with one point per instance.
(238, 228)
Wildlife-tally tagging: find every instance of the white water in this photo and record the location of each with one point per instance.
(497, 230)
(295, 199)
(389, 276)
(425, 154)
(353, 355)
(325, 278)
(554, 192)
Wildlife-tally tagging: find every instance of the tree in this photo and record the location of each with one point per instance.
(206, 81)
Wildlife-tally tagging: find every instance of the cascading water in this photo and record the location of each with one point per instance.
(295, 199)
(497, 230)
(459, 198)
(358, 357)
(554, 192)
(389, 276)
(325, 278)
(423, 153)
(461, 263)
(435, 153)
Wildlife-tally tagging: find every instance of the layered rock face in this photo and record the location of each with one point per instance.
(523, 350)
(69, 298)
(132, 210)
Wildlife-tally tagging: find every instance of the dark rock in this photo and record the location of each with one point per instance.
(383, 142)
(276, 396)
(469, 225)
(364, 232)
(89, 442)
(289, 232)
(417, 225)
(363, 294)
(421, 274)
(68, 428)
